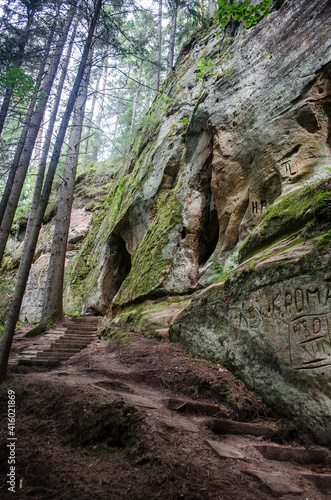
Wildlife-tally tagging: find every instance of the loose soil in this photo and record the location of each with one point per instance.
(112, 423)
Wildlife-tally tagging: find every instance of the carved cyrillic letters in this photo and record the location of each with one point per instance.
(304, 311)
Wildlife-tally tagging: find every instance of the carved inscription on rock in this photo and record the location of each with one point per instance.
(288, 168)
(310, 341)
(293, 318)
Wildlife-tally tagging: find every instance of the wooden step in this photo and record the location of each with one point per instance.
(292, 454)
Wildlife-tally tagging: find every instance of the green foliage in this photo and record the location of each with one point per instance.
(203, 67)
(166, 99)
(221, 271)
(246, 12)
(23, 84)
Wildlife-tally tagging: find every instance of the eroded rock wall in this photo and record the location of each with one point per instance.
(214, 154)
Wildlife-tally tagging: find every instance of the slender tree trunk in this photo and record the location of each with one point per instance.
(102, 96)
(158, 50)
(31, 134)
(21, 142)
(26, 260)
(17, 64)
(48, 137)
(172, 37)
(90, 115)
(53, 303)
(38, 145)
(136, 98)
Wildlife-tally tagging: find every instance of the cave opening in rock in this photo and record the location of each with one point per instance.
(123, 260)
(209, 237)
(118, 267)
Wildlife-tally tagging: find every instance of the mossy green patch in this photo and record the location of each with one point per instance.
(149, 266)
(287, 216)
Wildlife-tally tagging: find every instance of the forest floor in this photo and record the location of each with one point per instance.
(132, 419)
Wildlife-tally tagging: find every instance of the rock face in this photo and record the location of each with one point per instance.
(272, 325)
(233, 164)
(80, 222)
(215, 156)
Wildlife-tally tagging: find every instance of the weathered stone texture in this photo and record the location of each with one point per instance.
(258, 127)
(273, 327)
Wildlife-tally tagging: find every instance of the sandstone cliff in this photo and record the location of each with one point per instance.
(233, 170)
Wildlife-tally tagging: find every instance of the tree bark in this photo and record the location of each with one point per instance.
(38, 145)
(158, 50)
(99, 115)
(172, 36)
(26, 260)
(136, 97)
(53, 303)
(90, 115)
(22, 162)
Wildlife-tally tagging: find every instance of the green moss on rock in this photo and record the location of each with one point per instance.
(149, 266)
(287, 216)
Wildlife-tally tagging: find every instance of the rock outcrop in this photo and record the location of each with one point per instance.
(233, 165)
(80, 222)
(214, 154)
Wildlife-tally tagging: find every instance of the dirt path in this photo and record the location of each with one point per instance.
(133, 419)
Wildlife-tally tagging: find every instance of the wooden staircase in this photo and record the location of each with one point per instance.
(60, 343)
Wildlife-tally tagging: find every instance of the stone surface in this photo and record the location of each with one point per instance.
(272, 326)
(179, 423)
(276, 481)
(225, 450)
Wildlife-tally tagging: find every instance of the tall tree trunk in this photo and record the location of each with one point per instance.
(53, 303)
(38, 145)
(48, 136)
(158, 50)
(23, 162)
(136, 97)
(84, 147)
(21, 142)
(26, 260)
(102, 94)
(172, 36)
(17, 64)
